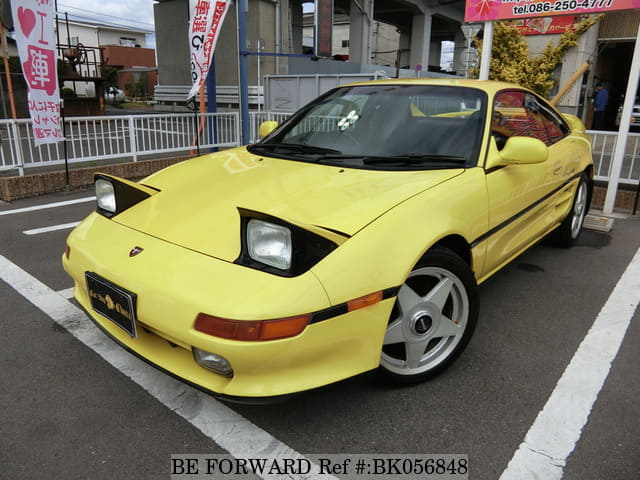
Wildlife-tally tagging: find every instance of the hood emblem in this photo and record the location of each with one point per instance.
(135, 251)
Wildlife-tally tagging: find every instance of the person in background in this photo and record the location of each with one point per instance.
(600, 100)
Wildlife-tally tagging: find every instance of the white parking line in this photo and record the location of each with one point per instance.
(231, 431)
(53, 228)
(558, 426)
(66, 293)
(47, 205)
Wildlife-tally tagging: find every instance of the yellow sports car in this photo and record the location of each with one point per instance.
(351, 238)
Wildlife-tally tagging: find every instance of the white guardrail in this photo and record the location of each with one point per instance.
(116, 137)
(135, 136)
(603, 145)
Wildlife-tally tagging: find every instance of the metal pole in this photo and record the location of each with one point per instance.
(7, 72)
(212, 107)
(487, 42)
(64, 144)
(278, 33)
(635, 202)
(4, 103)
(242, 7)
(197, 133)
(6, 60)
(258, 65)
(623, 133)
(61, 89)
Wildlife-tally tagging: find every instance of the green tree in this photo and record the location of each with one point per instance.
(110, 75)
(511, 59)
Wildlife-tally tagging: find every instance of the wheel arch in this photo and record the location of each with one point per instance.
(457, 244)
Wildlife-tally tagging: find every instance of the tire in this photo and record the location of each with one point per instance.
(569, 230)
(432, 320)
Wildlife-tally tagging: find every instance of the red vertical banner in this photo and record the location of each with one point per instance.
(324, 28)
(204, 29)
(34, 20)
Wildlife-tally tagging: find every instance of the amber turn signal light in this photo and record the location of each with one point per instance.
(365, 301)
(251, 330)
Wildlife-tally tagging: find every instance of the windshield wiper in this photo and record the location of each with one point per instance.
(412, 158)
(406, 159)
(292, 147)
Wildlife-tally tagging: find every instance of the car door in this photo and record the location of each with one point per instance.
(522, 198)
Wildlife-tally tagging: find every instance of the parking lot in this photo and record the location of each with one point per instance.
(74, 405)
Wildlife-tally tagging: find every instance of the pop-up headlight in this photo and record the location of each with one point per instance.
(106, 195)
(115, 195)
(279, 247)
(269, 243)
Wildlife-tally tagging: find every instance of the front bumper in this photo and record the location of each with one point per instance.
(174, 284)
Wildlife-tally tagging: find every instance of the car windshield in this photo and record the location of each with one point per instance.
(404, 127)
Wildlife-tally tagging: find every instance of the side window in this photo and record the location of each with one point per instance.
(519, 113)
(538, 125)
(557, 128)
(511, 117)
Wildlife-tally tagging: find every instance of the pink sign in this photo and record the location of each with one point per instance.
(204, 29)
(486, 10)
(34, 33)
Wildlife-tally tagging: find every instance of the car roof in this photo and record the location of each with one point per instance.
(489, 86)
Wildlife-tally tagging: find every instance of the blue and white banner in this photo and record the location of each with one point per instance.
(204, 29)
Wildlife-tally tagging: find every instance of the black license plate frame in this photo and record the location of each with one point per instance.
(113, 302)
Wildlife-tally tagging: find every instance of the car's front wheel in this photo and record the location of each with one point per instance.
(433, 318)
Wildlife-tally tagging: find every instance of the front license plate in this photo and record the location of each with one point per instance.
(112, 302)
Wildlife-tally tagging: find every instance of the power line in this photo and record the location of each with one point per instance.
(105, 15)
(108, 23)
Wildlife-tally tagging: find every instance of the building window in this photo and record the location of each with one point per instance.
(127, 42)
(345, 43)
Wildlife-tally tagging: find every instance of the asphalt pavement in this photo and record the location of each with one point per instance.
(75, 406)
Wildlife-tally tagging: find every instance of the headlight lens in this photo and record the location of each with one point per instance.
(269, 243)
(105, 195)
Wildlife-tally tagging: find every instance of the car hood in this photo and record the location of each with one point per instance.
(197, 206)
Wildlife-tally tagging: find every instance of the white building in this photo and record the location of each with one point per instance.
(92, 34)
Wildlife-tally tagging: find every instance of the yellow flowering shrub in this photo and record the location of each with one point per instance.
(511, 59)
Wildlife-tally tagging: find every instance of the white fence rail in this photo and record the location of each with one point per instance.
(135, 136)
(121, 137)
(603, 148)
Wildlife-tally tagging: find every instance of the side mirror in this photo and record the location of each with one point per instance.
(523, 151)
(575, 123)
(267, 127)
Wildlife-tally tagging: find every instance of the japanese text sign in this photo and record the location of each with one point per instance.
(204, 29)
(487, 10)
(545, 25)
(34, 33)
